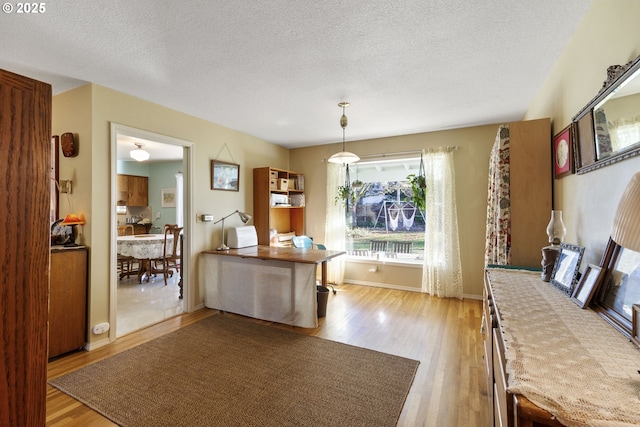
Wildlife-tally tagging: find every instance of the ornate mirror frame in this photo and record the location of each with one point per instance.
(585, 142)
(619, 288)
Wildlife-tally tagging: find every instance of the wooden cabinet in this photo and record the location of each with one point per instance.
(278, 202)
(67, 300)
(526, 145)
(25, 126)
(132, 190)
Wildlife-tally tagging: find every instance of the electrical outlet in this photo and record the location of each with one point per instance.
(100, 328)
(65, 186)
(158, 215)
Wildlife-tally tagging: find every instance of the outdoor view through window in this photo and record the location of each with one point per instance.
(383, 219)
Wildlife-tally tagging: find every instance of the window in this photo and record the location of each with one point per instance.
(382, 220)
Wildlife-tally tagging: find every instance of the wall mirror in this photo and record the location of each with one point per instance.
(620, 288)
(608, 128)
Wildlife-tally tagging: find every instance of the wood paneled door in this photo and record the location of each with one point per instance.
(25, 140)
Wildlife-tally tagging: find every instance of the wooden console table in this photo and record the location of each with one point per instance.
(266, 282)
(549, 362)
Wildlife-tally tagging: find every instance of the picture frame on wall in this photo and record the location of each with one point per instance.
(566, 268)
(225, 176)
(586, 287)
(168, 197)
(563, 159)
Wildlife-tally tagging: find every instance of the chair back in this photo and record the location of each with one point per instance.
(171, 230)
(302, 242)
(306, 243)
(125, 230)
(378, 245)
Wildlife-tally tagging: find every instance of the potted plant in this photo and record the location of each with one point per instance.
(418, 187)
(344, 193)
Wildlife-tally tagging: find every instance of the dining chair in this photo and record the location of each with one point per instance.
(125, 263)
(171, 251)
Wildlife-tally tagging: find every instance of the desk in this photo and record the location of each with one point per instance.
(143, 247)
(266, 282)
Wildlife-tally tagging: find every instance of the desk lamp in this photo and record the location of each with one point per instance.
(244, 217)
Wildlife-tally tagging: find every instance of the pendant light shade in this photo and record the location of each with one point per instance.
(343, 157)
(139, 154)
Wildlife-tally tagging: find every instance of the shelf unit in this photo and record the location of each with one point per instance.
(278, 202)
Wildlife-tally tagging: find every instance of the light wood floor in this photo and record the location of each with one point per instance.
(443, 334)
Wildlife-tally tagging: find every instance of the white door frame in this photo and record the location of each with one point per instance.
(188, 161)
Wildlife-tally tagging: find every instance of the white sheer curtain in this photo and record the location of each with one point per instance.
(335, 226)
(179, 201)
(442, 271)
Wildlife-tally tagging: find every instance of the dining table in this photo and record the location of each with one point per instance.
(144, 248)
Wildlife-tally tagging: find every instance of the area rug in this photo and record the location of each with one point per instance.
(227, 371)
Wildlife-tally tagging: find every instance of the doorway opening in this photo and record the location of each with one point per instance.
(146, 196)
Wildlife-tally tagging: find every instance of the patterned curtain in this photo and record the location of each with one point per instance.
(442, 270)
(498, 239)
(335, 226)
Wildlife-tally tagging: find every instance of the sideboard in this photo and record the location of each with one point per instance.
(550, 363)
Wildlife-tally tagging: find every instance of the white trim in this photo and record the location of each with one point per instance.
(188, 160)
(97, 344)
(396, 262)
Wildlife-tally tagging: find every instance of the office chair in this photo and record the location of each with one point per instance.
(306, 243)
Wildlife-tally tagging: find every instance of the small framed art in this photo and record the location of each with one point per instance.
(225, 176)
(563, 152)
(565, 270)
(587, 286)
(168, 197)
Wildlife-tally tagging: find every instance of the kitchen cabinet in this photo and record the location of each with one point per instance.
(67, 300)
(278, 202)
(132, 190)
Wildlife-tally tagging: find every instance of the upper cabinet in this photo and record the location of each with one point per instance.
(132, 190)
(278, 202)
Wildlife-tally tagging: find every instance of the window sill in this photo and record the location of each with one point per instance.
(412, 261)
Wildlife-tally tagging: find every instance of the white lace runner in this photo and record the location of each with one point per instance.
(566, 360)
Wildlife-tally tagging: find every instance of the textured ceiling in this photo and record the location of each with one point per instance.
(277, 69)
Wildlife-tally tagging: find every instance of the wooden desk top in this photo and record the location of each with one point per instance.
(305, 256)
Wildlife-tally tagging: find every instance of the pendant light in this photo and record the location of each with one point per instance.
(139, 154)
(343, 157)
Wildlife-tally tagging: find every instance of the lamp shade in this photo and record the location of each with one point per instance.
(343, 158)
(626, 224)
(139, 154)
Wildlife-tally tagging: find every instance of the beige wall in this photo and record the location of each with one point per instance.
(471, 164)
(88, 111)
(608, 35)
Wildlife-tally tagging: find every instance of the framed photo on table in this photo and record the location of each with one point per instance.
(563, 152)
(587, 286)
(225, 176)
(565, 270)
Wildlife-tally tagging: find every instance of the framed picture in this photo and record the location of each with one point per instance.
(225, 176)
(620, 287)
(565, 270)
(586, 287)
(168, 197)
(563, 152)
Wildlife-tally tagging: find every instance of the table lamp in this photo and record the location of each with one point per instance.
(626, 224)
(244, 217)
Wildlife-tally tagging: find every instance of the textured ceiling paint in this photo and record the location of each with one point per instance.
(277, 69)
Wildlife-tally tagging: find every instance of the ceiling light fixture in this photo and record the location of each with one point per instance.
(343, 157)
(139, 154)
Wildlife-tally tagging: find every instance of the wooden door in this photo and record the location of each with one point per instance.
(25, 135)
